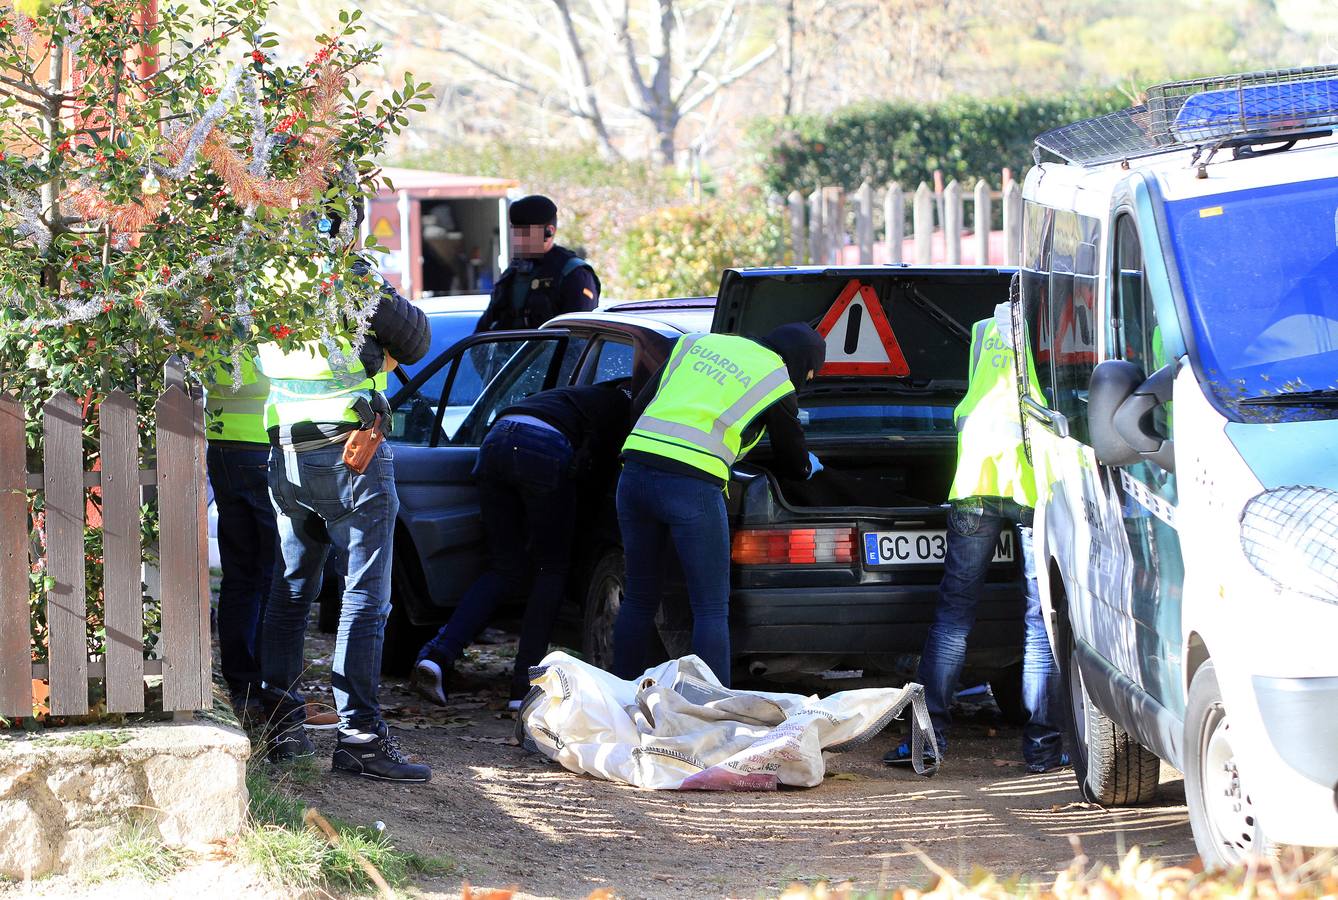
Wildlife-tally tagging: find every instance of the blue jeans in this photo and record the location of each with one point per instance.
(655, 506)
(974, 526)
(528, 503)
(322, 502)
(247, 538)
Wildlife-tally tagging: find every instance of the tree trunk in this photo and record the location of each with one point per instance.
(665, 116)
(787, 58)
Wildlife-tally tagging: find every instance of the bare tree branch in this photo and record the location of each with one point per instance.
(716, 85)
(587, 97)
(708, 50)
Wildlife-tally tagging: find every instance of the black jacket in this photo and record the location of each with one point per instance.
(531, 292)
(397, 327)
(594, 418)
(802, 351)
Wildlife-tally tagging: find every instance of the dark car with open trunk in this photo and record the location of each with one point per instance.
(839, 572)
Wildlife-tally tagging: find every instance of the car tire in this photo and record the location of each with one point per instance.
(1006, 688)
(403, 639)
(1222, 816)
(1112, 768)
(603, 598)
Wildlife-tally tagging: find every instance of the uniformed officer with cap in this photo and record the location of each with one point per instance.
(545, 279)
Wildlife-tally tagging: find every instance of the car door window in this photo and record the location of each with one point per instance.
(614, 361)
(432, 408)
(532, 367)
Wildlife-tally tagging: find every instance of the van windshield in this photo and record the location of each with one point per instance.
(1260, 271)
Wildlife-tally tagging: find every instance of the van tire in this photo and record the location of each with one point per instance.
(1112, 768)
(1225, 834)
(603, 598)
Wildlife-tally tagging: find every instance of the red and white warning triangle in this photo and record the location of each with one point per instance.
(859, 338)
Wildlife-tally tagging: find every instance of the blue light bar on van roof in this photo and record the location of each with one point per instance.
(1287, 106)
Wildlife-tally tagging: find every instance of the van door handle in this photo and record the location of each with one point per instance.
(1055, 422)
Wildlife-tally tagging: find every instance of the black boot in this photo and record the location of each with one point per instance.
(376, 755)
(285, 738)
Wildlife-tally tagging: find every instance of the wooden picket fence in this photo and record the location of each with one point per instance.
(182, 652)
(828, 228)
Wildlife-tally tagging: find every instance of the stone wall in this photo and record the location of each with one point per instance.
(66, 794)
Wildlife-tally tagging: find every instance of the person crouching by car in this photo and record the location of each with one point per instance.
(543, 458)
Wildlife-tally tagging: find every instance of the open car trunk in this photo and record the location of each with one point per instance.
(888, 477)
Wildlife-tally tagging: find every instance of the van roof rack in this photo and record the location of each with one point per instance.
(1182, 114)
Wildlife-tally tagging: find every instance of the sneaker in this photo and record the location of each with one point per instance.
(1041, 769)
(901, 756)
(429, 681)
(319, 719)
(285, 739)
(376, 755)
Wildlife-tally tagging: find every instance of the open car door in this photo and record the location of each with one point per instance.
(440, 418)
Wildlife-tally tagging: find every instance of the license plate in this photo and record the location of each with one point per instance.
(920, 548)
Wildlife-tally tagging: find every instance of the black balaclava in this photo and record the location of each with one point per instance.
(802, 349)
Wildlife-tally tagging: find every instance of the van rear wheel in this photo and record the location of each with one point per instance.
(1112, 768)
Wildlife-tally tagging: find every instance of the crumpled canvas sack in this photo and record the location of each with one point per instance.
(676, 727)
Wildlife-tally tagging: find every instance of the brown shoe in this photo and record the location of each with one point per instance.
(319, 719)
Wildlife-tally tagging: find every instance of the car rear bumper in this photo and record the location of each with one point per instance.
(864, 620)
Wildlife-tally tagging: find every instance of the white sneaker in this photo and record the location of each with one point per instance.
(426, 681)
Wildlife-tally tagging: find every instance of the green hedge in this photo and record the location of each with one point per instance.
(680, 251)
(966, 138)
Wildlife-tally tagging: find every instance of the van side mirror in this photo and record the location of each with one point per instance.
(1119, 405)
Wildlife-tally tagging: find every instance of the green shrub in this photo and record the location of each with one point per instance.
(680, 251)
(966, 138)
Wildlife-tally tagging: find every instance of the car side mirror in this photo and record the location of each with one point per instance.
(1120, 402)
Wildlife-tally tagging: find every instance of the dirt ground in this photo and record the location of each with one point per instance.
(512, 818)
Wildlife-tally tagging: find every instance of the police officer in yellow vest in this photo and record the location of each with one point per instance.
(238, 461)
(707, 407)
(317, 402)
(994, 489)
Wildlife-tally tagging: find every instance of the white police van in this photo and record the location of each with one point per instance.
(1179, 293)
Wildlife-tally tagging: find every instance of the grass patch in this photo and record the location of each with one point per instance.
(138, 852)
(89, 740)
(280, 844)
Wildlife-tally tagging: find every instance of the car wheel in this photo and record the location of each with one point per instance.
(403, 639)
(1006, 688)
(1221, 810)
(603, 599)
(1112, 768)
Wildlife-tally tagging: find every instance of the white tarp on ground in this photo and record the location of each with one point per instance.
(677, 728)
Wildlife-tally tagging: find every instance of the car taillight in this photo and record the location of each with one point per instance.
(793, 546)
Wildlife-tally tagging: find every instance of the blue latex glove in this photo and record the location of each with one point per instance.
(814, 465)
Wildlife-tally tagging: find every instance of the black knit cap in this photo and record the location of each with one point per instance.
(535, 209)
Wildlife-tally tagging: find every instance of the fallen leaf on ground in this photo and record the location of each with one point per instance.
(1076, 804)
(506, 742)
(600, 894)
(1007, 763)
(845, 776)
(471, 893)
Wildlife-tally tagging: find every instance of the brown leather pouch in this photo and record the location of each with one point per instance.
(361, 446)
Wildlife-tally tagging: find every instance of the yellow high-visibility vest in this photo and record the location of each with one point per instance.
(713, 387)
